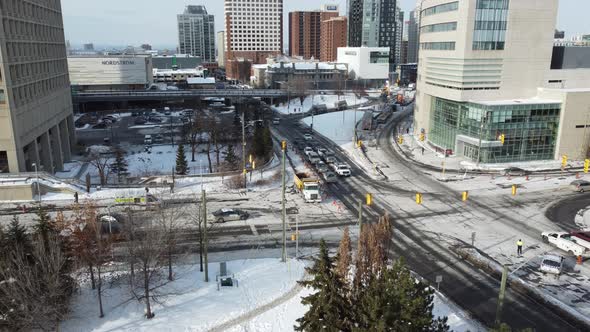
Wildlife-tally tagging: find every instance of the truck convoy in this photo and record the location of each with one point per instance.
(309, 186)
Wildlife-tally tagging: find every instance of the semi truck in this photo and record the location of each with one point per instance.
(309, 186)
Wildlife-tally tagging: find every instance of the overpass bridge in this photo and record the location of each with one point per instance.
(126, 96)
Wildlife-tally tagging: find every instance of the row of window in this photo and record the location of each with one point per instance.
(488, 45)
(34, 91)
(461, 88)
(440, 27)
(439, 46)
(37, 69)
(446, 7)
(20, 51)
(490, 25)
(492, 4)
(48, 13)
(33, 31)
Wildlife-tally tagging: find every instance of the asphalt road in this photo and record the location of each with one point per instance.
(472, 289)
(564, 212)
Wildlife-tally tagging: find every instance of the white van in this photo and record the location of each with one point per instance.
(148, 140)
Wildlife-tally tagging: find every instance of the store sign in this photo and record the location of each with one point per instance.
(118, 63)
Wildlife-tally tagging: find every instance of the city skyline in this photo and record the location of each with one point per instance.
(113, 27)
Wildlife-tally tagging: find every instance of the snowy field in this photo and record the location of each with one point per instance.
(336, 126)
(295, 105)
(188, 303)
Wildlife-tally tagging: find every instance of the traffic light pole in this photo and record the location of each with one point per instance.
(360, 222)
(284, 212)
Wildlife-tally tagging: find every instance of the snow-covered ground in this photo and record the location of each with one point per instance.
(295, 106)
(336, 126)
(188, 303)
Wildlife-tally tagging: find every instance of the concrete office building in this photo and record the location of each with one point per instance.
(117, 72)
(305, 29)
(221, 48)
(196, 33)
(376, 23)
(36, 121)
(176, 61)
(254, 31)
(484, 71)
(333, 36)
(369, 66)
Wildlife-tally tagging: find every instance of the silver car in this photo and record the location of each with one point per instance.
(580, 186)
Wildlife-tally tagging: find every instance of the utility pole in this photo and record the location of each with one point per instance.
(244, 145)
(360, 222)
(501, 296)
(204, 198)
(284, 214)
(483, 121)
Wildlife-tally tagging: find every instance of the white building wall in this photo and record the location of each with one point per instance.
(358, 60)
(110, 70)
(255, 25)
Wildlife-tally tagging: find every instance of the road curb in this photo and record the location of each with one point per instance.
(494, 269)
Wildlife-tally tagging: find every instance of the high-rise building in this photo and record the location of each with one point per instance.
(36, 120)
(221, 48)
(412, 55)
(253, 31)
(333, 36)
(146, 47)
(88, 47)
(196, 33)
(376, 23)
(486, 89)
(305, 31)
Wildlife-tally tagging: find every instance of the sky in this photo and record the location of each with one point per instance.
(135, 22)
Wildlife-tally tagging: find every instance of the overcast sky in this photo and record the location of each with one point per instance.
(134, 22)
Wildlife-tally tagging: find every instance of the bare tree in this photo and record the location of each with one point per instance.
(35, 288)
(101, 160)
(196, 216)
(194, 129)
(211, 128)
(169, 220)
(299, 86)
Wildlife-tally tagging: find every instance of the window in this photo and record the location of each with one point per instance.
(4, 162)
(449, 26)
(379, 57)
(439, 46)
(446, 7)
(490, 24)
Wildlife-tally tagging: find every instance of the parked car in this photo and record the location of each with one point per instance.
(140, 120)
(552, 264)
(342, 170)
(515, 171)
(100, 125)
(321, 166)
(147, 140)
(159, 138)
(276, 121)
(307, 150)
(224, 215)
(168, 113)
(580, 185)
(308, 137)
(330, 160)
(135, 114)
(313, 158)
(321, 151)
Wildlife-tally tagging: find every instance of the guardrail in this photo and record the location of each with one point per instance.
(131, 95)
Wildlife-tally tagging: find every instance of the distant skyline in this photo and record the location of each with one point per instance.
(135, 22)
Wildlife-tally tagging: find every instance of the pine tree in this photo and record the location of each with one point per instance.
(44, 227)
(230, 158)
(258, 147)
(344, 258)
(181, 163)
(267, 139)
(329, 308)
(120, 165)
(16, 236)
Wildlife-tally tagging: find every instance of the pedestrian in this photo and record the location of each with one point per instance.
(407, 130)
(519, 244)
(422, 150)
(76, 197)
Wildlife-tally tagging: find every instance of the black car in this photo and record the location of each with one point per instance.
(224, 215)
(100, 125)
(515, 171)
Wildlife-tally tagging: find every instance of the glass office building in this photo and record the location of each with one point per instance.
(530, 130)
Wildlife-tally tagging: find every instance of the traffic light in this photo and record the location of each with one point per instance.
(369, 199)
(586, 165)
(359, 144)
(502, 138)
(465, 196)
(422, 137)
(400, 140)
(418, 198)
(284, 145)
(563, 161)
(513, 190)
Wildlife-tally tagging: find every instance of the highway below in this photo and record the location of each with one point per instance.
(426, 253)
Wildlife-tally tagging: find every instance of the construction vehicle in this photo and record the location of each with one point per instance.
(309, 186)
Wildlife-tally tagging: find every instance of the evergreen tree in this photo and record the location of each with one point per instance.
(230, 158)
(44, 227)
(16, 236)
(259, 150)
(181, 163)
(329, 309)
(120, 165)
(506, 328)
(3, 239)
(267, 139)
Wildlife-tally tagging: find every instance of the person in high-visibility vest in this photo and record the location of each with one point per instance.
(519, 244)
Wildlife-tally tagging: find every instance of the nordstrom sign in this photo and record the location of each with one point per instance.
(118, 62)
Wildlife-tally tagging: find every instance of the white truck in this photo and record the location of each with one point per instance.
(563, 241)
(309, 186)
(341, 169)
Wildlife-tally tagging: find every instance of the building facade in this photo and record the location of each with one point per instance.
(254, 31)
(412, 53)
(221, 48)
(316, 75)
(368, 66)
(484, 72)
(305, 29)
(333, 36)
(196, 33)
(36, 120)
(376, 23)
(121, 72)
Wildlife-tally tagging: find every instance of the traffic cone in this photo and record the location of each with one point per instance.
(578, 175)
(579, 260)
(527, 177)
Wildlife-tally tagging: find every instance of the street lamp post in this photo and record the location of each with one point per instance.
(37, 181)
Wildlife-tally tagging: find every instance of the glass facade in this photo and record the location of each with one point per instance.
(490, 24)
(439, 46)
(530, 130)
(440, 27)
(445, 7)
